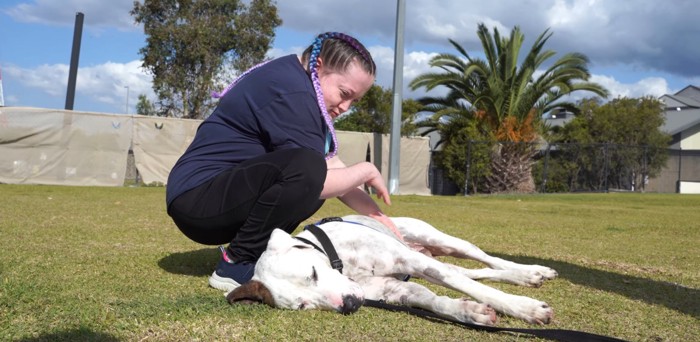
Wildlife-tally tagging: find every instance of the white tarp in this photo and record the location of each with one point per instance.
(45, 146)
(40, 146)
(353, 146)
(414, 161)
(159, 143)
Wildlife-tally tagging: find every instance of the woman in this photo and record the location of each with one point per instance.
(267, 156)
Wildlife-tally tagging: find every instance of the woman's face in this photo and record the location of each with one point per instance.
(342, 89)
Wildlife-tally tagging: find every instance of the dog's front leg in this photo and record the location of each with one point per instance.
(412, 294)
(528, 309)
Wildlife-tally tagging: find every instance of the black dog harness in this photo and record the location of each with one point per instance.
(325, 242)
(337, 264)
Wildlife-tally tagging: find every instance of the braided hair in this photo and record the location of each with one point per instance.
(337, 50)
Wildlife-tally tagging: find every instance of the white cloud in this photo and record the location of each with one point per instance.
(104, 83)
(652, 35)
(659, 41)
(650, 86)
(436, 27)
(576, 13)
(50, 79)
(97, 14)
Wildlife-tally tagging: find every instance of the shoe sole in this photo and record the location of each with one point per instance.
(221, 283)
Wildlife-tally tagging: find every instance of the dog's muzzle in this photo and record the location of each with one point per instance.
(350, 304)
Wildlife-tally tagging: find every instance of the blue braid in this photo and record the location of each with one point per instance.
(313, 69)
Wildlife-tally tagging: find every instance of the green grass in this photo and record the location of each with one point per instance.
(86, 263)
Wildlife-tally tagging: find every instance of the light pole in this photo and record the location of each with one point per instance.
(127, 99)
(395, 142)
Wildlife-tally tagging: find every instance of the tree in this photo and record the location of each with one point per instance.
(187, 43)
(507, 100)
(145, 107)
(457, 129)
(372, 113)
(623, 137)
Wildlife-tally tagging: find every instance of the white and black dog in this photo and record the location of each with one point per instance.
(294, 274)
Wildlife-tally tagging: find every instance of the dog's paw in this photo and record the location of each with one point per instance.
(531, 275)
(541, 314)
(524, 277)
(475, 312)
(546, 272)
(531, 310)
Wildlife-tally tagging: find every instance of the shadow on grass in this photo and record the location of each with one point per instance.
(192, 263)
(671, 295)
(80, 334)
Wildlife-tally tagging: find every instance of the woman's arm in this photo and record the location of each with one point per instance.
(345, 182)
(341, 179)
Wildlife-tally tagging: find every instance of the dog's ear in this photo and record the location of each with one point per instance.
(252, 292)
(280, 242)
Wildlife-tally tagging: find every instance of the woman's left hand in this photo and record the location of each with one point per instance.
(389, 223)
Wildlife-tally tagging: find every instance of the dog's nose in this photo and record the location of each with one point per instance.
(350, 304)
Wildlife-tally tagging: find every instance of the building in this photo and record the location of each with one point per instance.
(682, 172)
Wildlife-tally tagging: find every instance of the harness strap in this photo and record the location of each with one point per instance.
(336, 263)
(552, 334)
(310, 243)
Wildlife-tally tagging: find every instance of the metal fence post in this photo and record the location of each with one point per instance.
(645, 168)
(468, 166)
(680, 160)
(605, 167)
(544, 169)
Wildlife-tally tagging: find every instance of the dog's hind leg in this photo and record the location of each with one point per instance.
(512, 276)
(419, 265)
(411, 294)
(420, 233)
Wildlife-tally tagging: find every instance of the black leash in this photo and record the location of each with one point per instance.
(552, 334)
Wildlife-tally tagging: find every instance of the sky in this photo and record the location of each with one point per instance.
(636, 48)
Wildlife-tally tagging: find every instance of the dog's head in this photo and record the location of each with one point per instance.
(293, 275)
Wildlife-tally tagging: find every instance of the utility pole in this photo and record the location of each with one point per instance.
(74, 58)
(395, 142)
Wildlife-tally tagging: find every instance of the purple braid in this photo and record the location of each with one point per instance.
(355, 45)
(313, 69)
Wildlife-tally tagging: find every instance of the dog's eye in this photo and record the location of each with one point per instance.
(314, 275)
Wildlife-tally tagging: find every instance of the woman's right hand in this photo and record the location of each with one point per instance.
(376, 182)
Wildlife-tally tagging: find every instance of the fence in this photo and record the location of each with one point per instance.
(571, 167)
(46, 146)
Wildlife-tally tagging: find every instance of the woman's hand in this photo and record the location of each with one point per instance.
(345, 182)
(376, 182)
(389, 223)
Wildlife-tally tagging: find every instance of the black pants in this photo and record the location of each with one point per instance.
(244, 204)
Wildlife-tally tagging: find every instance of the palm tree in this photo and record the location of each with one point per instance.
(506, 99)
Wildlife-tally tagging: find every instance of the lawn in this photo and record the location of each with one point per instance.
(107, 264)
